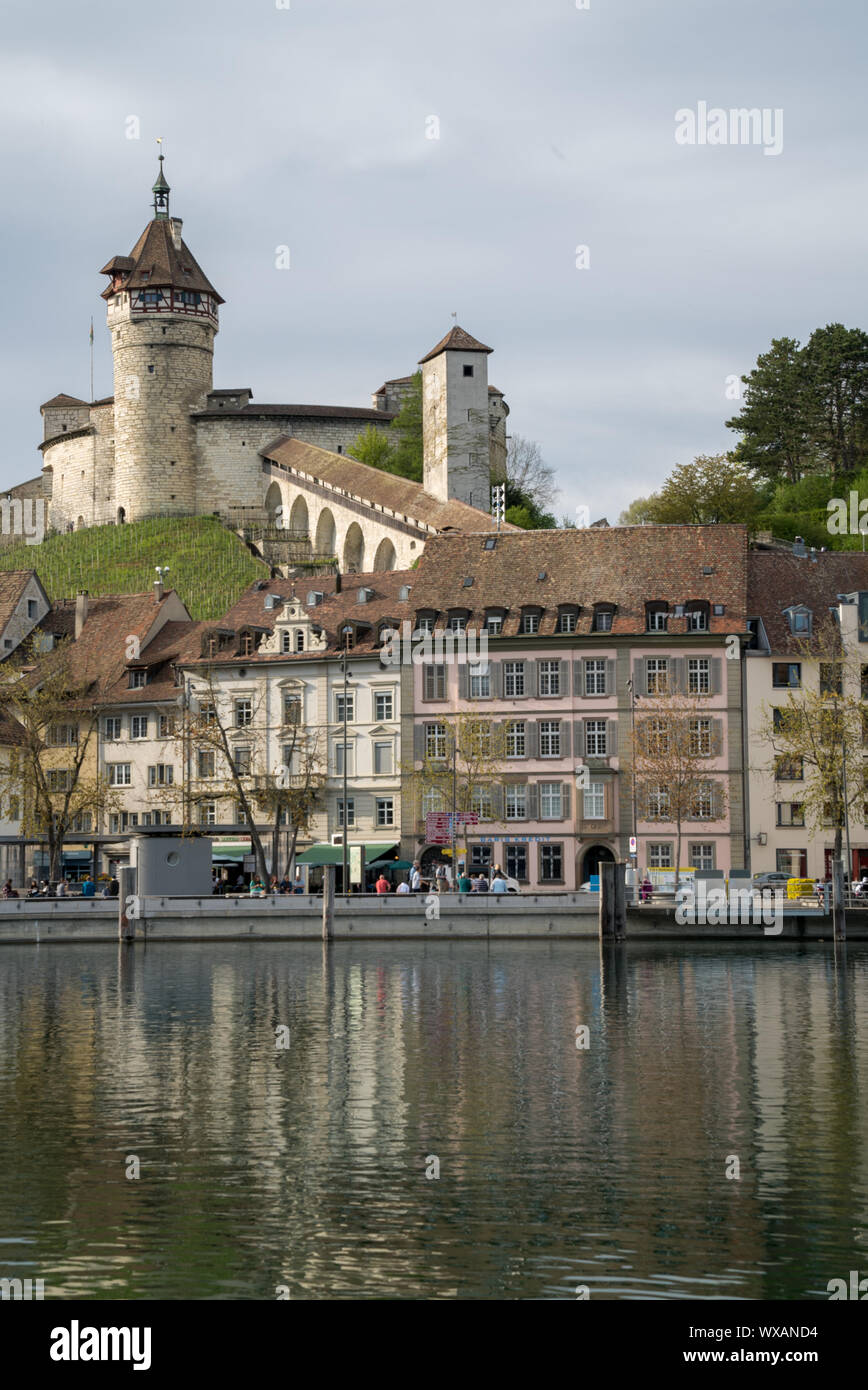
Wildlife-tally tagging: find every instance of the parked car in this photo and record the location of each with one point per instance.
(773, 879)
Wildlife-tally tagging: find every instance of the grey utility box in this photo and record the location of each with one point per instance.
(172, 866)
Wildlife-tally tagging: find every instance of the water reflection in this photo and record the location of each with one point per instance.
(559, 1166)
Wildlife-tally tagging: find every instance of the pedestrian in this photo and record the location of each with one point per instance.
(463, 882)
(257, 887)
(63, 888)
(482, 883)
(416, 878)
(646, 890)
(33, 890)
(8, 890)
(440, 879)
(403, 886)
(88, 888)
(499, 883)
(382, 884)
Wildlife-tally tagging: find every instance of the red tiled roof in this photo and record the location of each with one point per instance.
(158, 263)
(456, 340)
(779, 579)
(99, 658)
(12, 586)
(302, 412)
(60, 400)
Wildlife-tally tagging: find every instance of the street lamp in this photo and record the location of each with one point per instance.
(346, 633)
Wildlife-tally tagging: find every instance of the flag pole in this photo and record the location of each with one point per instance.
(91, 360)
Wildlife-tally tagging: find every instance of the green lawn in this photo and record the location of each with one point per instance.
(208, 565)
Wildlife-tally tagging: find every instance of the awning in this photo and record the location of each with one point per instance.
(400, 865)
(318, 855)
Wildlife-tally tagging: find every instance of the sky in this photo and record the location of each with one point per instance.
(420, 160)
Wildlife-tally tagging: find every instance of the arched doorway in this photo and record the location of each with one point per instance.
(354, 549)
(273, 504)
(122, 516)
(299, 523)
(385, 558)
(593, 857)
(325, 534)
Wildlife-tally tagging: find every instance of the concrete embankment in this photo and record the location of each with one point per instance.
(299, 918)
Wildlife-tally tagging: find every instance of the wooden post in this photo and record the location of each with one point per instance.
(607, 901)
(328, 902)
(620, 900)
(839, 917)
(126, 924)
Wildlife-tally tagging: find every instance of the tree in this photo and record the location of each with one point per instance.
(293, 792)
(464, 761)
(710, 490)
(53, 718)
(373, 448)
(674, 739)
(529, 474)
(407, 431)
(640, 512)
(775, 421)
(836, 361)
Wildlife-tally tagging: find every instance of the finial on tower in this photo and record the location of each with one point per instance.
(160, 189)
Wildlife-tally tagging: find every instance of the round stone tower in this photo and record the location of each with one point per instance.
(162, 315)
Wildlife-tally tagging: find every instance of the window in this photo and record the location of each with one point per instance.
(595, 801)
(799, 619)
(166, 725)
(702, 802)
(481, 804)
(551, 863)
(457, 622)
(660, 855)
(596, 743)
(382, 758)
(702, 857)
(161, 775)
(207, 812)
(513, 679)
(59, 780)
(550, 738)
(529, 622)
(480, 686)
(383, 705)
(424, 625)
(206, 761)
(351, 812)
(790, 813)
(350, 708)
(31, 608)
(602, 620)
(242, 758)
(435, 682)
(516, 862)
(339, 759)
(549, 678)
(432, 800)
(138, 726)
(478, 739)
(60, 735)
(207, 712)
(516, 803)
(698, 675)
(595, 677)
(700, 738)
(494, 624)
(138, 679)
(119, 774)
(240, 813)
(292, 709)
(567, 620)
(289, 756)
(831, 678)
(467, 369)
(247, 644)
(82, 824)
(655, 737)
(657, 673)
(385, 810)
(789, 769)
(697, 620)
(658, 802)
(286, 641)
(551, 801)
(480, 856)
(299, 639)
(243, 713)
(111, 729)
(516, 738)
(656, 619)
(787, 675)
(792, 861)
(435, 740)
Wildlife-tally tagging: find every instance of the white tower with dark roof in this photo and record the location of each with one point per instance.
(455, 420)
(162, 315)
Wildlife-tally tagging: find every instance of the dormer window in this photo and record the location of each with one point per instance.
(286, 641)
(247, 645)
(799, 619)
(568, 617)
(697, 617)
(530, 620)
(603, 618)
(656, 616)
(299, 639)
(138, 679)
(494, 621)
(458, 620)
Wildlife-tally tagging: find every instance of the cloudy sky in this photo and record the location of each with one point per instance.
(308, 126)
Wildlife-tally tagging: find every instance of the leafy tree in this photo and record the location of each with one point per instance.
(293, 792)
(523, 511)
(775, 420)
(468, 761)
(373, 448)
(710, 490)
(407, 430)
(640, 512)
(837, 367)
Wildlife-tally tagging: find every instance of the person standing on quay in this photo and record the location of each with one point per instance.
(382, 884)
(463, 883)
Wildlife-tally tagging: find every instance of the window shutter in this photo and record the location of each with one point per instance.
(565, 800)
(717, 800)
(582, 748)
(579, 679)
(495, 671)
(579, 738)
(463, 681)
(531, 681)
(678, 675)
(419, 742)
(532, 801)
(640, 677)
(610, 678)
(531, 741)
(715, 677)
(611, 738)
(565, 678)
(565, 738)
(497, 801)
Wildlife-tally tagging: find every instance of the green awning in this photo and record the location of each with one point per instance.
(318, 855)
(400, 865)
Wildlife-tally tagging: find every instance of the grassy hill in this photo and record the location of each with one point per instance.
(208, 565)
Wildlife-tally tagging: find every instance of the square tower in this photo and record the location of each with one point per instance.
(455, 420)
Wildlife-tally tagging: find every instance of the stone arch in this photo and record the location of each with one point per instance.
(385, 558)
(325, 543)
(592, 857)
(79, 525)
(299, 520)
(122, 516)
(354, 548)
(274, 503)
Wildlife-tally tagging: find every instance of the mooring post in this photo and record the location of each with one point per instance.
(620, 900)
(126, 890)
(607, 901)
(328, 902)
(839, 917)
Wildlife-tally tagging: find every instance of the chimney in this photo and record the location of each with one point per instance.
(80, 611)
(337, 582)
(158, 589)
(176, 224)
(799, 547)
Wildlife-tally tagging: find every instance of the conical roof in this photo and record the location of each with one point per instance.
(456, 340)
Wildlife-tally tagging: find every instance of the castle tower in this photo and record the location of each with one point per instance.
(162, 315)
(455, 420)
